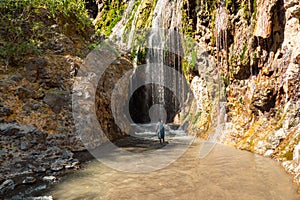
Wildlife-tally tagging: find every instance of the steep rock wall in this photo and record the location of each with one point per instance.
(259, 59)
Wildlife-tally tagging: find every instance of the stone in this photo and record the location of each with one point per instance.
(57, 165)
(263, 26)
(7, 186)
(263, 99)
(49, 178)
(67, 154)
(72, 164)
(53, 151)
(24, 145)
(29, 180)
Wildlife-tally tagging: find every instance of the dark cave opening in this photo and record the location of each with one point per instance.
(146, 105)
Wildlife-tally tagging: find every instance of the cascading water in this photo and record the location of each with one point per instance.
(155, 58)
(219, 132)
(132, 29)
(221, 24)
(118, 31)
(162, 38)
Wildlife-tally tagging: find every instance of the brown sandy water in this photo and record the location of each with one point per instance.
(225, 173)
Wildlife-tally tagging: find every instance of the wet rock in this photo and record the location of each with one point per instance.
(51, 151)
(57, 100)
(29, 180)
(7, 186)
(2, 120)
(30, 167)
(28, 107)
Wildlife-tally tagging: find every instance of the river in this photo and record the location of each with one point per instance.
(225, 173)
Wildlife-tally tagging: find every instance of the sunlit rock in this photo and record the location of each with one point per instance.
(264, 18)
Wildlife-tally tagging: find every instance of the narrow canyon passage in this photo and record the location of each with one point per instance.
(225, 173)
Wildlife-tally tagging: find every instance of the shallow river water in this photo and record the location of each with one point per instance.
(225, 173)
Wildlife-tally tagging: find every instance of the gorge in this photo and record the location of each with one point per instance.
(81, 76)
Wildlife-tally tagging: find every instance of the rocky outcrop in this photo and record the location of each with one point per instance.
(29, 156)
(257, 53)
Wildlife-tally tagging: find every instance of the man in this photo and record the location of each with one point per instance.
(160, 130)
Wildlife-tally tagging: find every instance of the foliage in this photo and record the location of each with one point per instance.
(198, 114)
(26, 25)
(110, 16)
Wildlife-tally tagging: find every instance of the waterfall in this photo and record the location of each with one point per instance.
(132, 29)
(219, 133)
(221, 24)
(155, 57)
(118, 31)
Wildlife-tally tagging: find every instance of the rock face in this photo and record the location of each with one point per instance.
(27, 152)
(95, 90)
(258, 56)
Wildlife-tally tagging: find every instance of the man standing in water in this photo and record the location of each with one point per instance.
(160, 130)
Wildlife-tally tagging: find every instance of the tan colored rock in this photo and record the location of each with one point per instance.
(264, 18)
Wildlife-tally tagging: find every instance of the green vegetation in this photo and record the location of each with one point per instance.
(190, 57)
(243, 57)
(198, 114)
(289, 155)
(26, 26)
(130, 20)
(110, 16)
(194, 59)
(254, 8)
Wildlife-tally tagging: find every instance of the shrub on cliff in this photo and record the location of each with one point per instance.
(26, 26)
